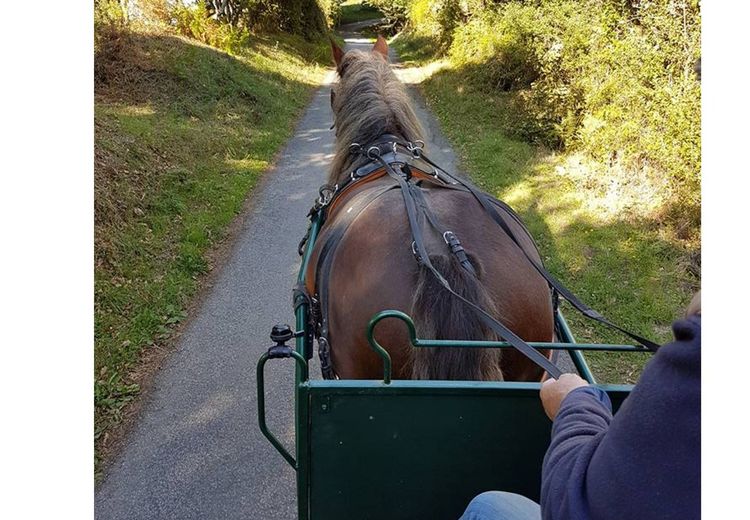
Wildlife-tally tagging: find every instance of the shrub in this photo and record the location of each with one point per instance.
(395, 10)
(436, 20)
(110, 24)
(611, 78)
(331, 10)
(193, 21)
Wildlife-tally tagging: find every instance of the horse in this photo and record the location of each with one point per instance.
(373, 266)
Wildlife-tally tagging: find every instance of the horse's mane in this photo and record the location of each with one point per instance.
(369, 101)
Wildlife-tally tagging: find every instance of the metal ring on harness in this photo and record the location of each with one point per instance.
(355, 148)
(326, 193)
(416, 147)
(370, 152)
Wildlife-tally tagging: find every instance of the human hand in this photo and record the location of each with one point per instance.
(554, 391)
(695, 305)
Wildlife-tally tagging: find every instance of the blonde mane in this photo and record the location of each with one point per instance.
(368, 101)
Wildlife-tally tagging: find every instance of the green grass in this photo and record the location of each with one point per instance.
(620, 260)
(183, 133)
(357, 11)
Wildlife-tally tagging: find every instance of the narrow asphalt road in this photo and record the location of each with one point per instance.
(196, 452)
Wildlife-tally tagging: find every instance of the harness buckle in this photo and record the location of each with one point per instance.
(414, 251)
(324, 353)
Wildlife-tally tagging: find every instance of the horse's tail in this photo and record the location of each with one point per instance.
(440, 315)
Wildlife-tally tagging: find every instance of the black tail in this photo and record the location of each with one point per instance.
(440, 315)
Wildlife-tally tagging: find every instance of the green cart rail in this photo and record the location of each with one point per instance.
(400, 449)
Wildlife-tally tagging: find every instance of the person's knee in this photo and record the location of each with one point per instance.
(500, 505)
(485, 506)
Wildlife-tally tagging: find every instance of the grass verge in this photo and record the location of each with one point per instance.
(183, 133)
(603, 239)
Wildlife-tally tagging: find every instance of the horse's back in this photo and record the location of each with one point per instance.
(374, 268)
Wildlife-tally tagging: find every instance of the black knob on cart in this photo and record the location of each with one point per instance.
(280, 333)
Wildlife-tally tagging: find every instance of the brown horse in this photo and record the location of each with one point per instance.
(374, 268)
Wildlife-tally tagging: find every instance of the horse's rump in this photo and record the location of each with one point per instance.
(373, 268)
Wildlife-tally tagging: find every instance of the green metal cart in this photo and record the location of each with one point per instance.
(398, 449)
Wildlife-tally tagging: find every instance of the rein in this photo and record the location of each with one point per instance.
(399, 160)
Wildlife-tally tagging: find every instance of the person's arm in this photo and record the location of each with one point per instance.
(644, 462)
(579, 426)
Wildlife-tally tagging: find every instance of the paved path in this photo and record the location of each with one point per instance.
(197, 452)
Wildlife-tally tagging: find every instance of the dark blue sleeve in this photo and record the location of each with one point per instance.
(645, 462)
(578, 429)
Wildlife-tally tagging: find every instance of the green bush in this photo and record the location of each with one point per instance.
(395, 10)
(309, 18)
(193, 22)
(611, 78)
(331, 10)
(109, 12)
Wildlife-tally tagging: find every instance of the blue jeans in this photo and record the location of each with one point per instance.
(499, 505)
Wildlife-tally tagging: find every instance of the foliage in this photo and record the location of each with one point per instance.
(332, 11)
(109, 12)
(435, 17)
(439, 18)
(611, 78)
(309, 18)
(395, 10)
(225, 20)
(227, 11)
(193, 22)
(357, 11)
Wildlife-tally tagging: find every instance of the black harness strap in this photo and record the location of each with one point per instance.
(300, 296)
(407, 190)
(449, 236)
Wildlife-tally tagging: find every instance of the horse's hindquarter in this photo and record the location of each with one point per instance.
(374, 269)
(520, 293)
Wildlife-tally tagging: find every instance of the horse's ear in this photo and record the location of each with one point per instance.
(338, 54)
(381, 46)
